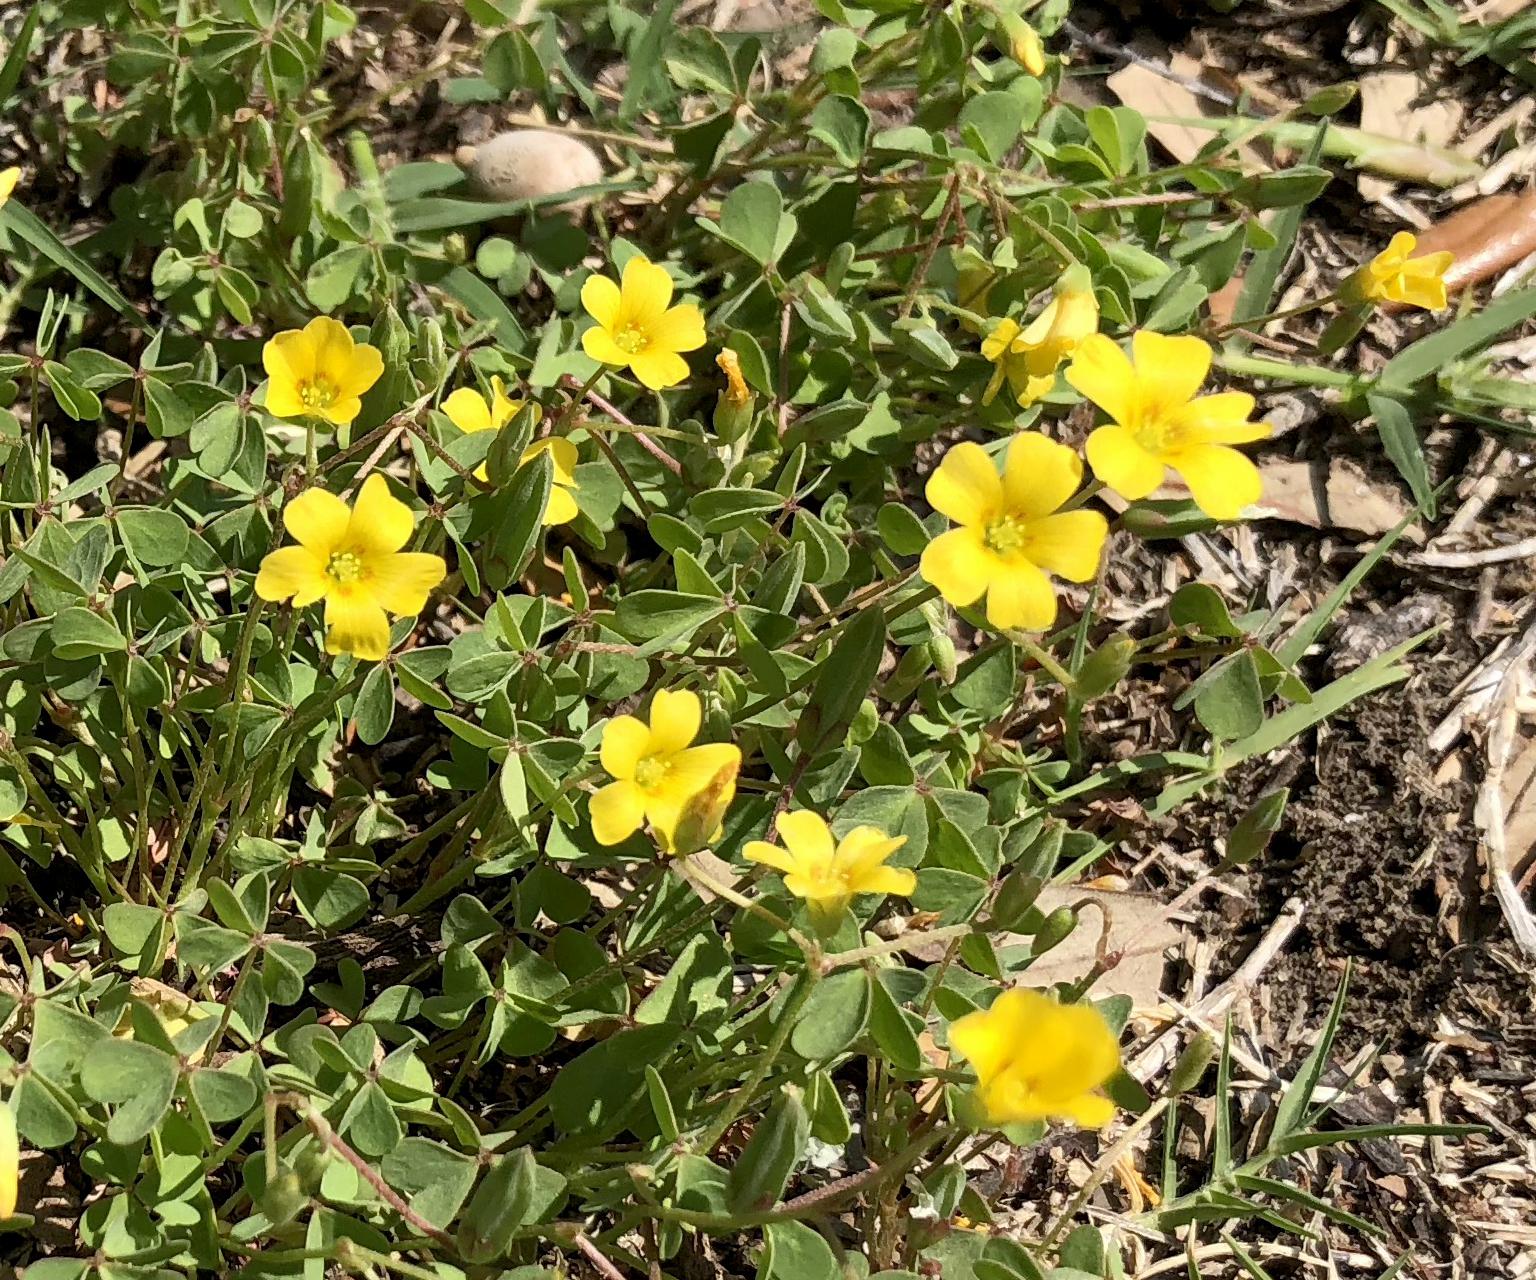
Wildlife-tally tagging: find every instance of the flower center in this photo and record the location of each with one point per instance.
(344, 566)
(318, 392)
(650, 772)
(1156, 434)
(632, 339)
(1007, 535)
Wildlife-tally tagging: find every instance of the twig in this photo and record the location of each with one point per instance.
(1477, 691)
(644, 441)
(1522, 550)
(1489, 809)
(597, 1258)
(1156, 1055)
(951, 209)
(322, 1130)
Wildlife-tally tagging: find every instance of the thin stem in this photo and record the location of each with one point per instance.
(907, 942)
(706, 883)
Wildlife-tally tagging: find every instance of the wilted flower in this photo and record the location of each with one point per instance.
(1011, 533)
(352, 559)
(828, 874)
(1395, 275)
(637, 327)
(1158, 421)
(1038, 1060)
(658, 772)
(1029, 357)
(319, 372)
(736, 393)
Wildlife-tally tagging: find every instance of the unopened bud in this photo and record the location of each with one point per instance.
(1191, 1065)
(1057, 928)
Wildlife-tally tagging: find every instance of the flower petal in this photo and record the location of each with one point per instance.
(983, 1039)
(289, 356)
(1067, 544)
(625, 741)
(806, 835)
(402, 582)
(901, 881)
(282, 399)
(295, 572)
(1221, 480)
(1088, 1110)
(381, 524)
(1119, 461)
(675, 719)
(468, 411)
(1039, 475)
(1169, 371)
(1103, 373)
(770, 855)
(562, 455)
(863, 850)
(8, 180)
(616, 812)
(561, 507)
(340, 411)
(959, 565)
(318, 519)
(679, 329)
(1020, 598)
(966, 487)
(658, 369)
(363, 366)
(355, 624)
(646, 292)
(1219, 419)
(600, 298)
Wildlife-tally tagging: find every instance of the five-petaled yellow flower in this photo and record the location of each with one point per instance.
(1395, 275)
(319, 372)
(10, 1162)
(8, 180)
(828, 874)
(658, 772)
(352, 559)
(638, 327)
(1158, 421)
(1038, 1060)
(1029, 357)
(470, 411)
(1011, 532)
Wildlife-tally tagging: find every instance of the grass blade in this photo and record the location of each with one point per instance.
(36, 233)
(16, 56)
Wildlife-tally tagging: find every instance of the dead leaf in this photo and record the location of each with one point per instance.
(1398, 103)
(1139, 931)
(1487, 237)
(1519, 793)
(1154, 95)
(1329, 494)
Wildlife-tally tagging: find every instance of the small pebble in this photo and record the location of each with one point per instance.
(527, 164)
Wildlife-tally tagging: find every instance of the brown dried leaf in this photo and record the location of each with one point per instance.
(1487, 237)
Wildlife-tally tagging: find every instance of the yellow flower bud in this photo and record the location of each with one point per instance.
(10, 1162)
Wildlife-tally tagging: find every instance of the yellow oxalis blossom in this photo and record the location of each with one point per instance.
(1011, 532)
(1038, 1060)
(352, 559)
(319, 372)
(8, 180)
(637, 327)
(1029, 357)
(10, 1162)
(470, 412)
(659, 774)
(1395, 275)
(827, 875)
(1158, 421)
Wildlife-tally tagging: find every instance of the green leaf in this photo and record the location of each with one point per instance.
(675, 615)
(776, 1146)
(1400, 438)
(1430, 355)
(436, 1178)
(16, 56)
(1228, 699)
(1199, 605)
(78, 632)
(154, 536)
(519, 512)
(750, 218)
(843, 124)
(843, 683)
(645, 70)
(990, 124)
(137, 1077)
(374, 710)
(796, 1252)
(834, 1016)
(73, 396)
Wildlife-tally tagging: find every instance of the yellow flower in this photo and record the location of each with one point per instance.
(828, 876)
(352, 560)
(1395, 275)
(8, 180)
(736, 392)
(1038, 1060)
(658, 772)
(1024, 45)
(1029, 358)
(470, 412)
(1157, 420)
(1011, 532)
(319, 372)
(637, 327)
(10, 1162)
